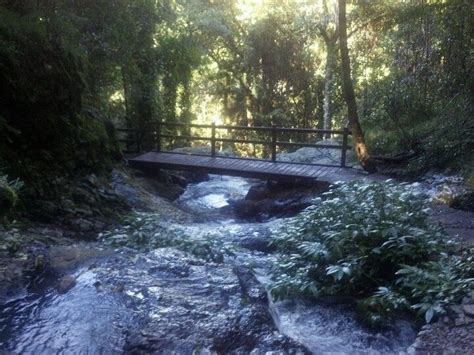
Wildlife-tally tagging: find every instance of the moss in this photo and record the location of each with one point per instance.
(96, 146)
(8, 199)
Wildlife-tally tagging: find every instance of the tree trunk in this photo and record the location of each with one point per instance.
(349, 96)
(130, 119)
(127, 96)
(328, 84)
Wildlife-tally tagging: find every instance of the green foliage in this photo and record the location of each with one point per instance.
(8, 193)
(250, 63)
(438, 129)
(97, 145)
(44, 127)
(372, 241)
(422, 102)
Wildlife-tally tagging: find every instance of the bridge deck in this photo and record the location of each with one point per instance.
(250, 168)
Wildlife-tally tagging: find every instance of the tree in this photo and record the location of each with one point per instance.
(348, 89)
(330, 40)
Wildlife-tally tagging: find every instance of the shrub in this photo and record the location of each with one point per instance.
(372, 241)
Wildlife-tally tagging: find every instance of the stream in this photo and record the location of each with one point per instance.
(184, 288)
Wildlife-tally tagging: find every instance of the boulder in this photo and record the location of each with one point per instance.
(66, 283)
(468, 309)
(279, 199)
(318, 155)
(464, 202)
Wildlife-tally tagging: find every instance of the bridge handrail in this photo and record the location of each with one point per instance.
(274, 143)
(247, 128)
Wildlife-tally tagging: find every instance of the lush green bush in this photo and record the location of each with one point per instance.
(373, 242)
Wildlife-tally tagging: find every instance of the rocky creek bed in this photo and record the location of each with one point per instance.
(178, 277)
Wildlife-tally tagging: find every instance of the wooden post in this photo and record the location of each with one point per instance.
(158, 135)
(344, 147)
(274, 140)
(213, 140)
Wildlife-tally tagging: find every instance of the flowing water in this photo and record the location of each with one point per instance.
(164, 297)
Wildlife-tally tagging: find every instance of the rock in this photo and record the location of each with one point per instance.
(92, 180)
(191, 177)
(99, 226)
(48, 209)
(468, 309)
(460, 321)
(318, 155)
(83, 195)
(84, 211)
(258, 192)
(257, 243)
(444, 338)
(249, 285)
(245, 209)
(196, 307)
(458, 224)
(277, 200)
(66, 283)
(141, 192)
(171, 192)
(464, 202)
(39, 262)
(456, 309)
(83, 225)
(68, 205)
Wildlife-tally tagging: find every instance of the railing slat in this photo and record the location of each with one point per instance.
(248, 141)
(252, 128)
(311, 130)
(195, 138)
(311, 145)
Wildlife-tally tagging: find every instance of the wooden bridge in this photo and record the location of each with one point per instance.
(216, 163)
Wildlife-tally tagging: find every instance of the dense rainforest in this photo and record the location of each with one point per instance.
(72, 70)
(85, 85)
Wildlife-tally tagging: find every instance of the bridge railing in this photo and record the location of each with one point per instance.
(155, 131)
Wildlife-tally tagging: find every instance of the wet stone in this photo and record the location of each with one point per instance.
(257, 243)
(212, 306)
(468, 309)
(66, 283)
